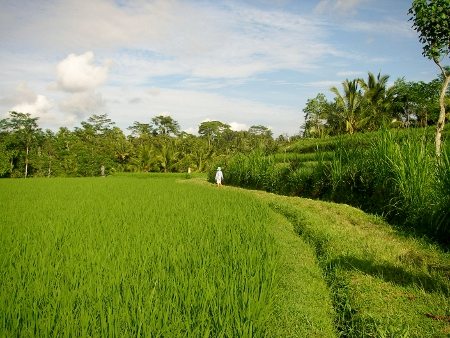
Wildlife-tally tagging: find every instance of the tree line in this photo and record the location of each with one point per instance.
(368, 104)
(157, 146)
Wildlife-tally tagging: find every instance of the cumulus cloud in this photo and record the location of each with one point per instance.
(78, 73)
(24, 100)
(40, 106)
(43, 108)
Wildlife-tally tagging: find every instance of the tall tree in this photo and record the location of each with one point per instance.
(316, 116)
(165, 125)
(98, 123)
(212, 130)
(260, 137)
(349, 105)
(94, 147)
(166, 152)
(259, 130)
(24, 130)
(417, 101)
(377, 100)
(431, 19)
(139, 129)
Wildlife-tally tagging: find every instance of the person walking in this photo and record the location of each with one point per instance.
(219, 176)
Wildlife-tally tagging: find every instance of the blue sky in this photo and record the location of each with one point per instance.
(240, 62)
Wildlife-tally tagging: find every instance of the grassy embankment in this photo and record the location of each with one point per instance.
(383, 284)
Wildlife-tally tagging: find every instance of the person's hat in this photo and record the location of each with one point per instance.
(219, 168)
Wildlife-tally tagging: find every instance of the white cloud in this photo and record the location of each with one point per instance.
(170, 37)
(350, 73)
(391, 27)
(236, 126)
(190, 108)
(78, 73)
(40, 106)
(326, 84)
(82, 104)
(347, 7)
(21, 94)
(43, 108)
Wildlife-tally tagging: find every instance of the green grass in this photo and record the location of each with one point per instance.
(137, 257)
(147, 255)
(383, 283)
(303, 157)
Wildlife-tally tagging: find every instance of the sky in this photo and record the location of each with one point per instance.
(244, 63)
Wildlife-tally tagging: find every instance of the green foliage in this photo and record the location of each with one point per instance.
(348, 105)
(316, 112)
(394, 174)
(370, 105)
(158, 146)
(431, 19)
(165, 125)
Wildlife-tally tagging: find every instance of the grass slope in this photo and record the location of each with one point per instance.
(383, 283)
(303, 302)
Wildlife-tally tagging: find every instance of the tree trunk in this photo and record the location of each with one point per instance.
(26, 162)
(49, 168)
(441, 121)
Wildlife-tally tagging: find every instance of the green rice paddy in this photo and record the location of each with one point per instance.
(132, 257)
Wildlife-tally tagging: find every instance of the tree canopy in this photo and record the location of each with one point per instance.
(431, 19)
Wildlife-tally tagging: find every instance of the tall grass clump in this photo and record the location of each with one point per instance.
(415, 182)
(258, 171)
(390, 173)
(250, 171)
(442, 211)
(138, 256)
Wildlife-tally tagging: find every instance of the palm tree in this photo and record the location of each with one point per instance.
(166, 152)
(378, 99)
(349, 105)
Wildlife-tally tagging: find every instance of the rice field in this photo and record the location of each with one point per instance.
(141, 256)
(157, 255)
